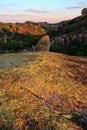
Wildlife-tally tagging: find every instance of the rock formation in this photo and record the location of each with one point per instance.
(3, 39)
(42, 45)
(84, 11)
(33, 48)
(43, 91)
(69, 39)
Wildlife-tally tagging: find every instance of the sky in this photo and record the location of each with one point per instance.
(40, 10)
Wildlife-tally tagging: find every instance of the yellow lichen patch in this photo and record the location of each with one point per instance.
(42, 93)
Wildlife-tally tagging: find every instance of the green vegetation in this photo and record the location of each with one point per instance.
(70, 37)
(18, 42)
(76, 50)
(21, 36)
(43, 90)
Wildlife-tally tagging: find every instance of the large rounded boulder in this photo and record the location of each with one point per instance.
(43, 44)
(84, 11)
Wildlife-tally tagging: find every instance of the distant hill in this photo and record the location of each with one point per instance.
(23, 28)
(71, 37)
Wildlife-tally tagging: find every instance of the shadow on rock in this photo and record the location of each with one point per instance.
(80, 119)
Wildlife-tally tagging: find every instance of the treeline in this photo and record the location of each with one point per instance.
(80, 50)
(19, 42)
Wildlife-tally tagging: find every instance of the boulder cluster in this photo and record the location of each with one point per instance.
(70, 39)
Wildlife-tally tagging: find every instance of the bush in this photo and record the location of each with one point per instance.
(19, 42)
(80, 50)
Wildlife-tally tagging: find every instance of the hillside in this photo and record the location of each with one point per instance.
(23, 28)
(22, 36)
(71, 37)
(43, 91)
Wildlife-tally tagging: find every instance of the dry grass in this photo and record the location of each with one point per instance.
(40, 91)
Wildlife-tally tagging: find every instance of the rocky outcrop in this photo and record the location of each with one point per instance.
(70, 39)
(3, 39)
(42, 45)
(43, 91)
(84, 11)
(71, 44)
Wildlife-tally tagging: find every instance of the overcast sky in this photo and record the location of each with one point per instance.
(40, 10)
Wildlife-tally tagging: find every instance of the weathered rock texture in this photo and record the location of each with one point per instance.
(70, 39)
(43, 91)
(42, 45)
